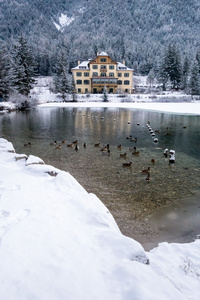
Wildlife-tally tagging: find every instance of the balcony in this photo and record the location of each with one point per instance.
(103, 81)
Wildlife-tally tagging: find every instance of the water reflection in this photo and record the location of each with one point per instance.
(124, 191)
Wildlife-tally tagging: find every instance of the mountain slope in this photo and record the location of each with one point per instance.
(134, 30)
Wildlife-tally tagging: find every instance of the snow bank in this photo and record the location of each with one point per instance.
(59, 242)
(178, 108)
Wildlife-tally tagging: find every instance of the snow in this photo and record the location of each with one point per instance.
(57, 241)
(192, 108)
(64, 21)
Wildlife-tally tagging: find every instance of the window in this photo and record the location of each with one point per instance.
(126, 82)
(86, 90)
(119, 82)
(95, 67)
(79, 90)
(119, 74)
(86, 74)
(78, 81)
(78, 74)
(86, 81)
(111, 67)
(82, 67)
(103, 67)
(111, 90)
(126, 74)
(111, 74)
(122, 68)
(103, 59)
(94, 74)
(103, 74)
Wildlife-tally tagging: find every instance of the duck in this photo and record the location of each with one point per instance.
(134, 140)
(119, 146)
(168, 133)
(70, 145)
(127, 164)
(153, 161)
(105, 147)
(155, 140)
(135, 152)
(28, 144)
(58, 147)
(145, 171)
(76, 147)
(165, 152)
(122, 154)
(148, 178)
(129, 137)
(63, 141)
(84, 145)
(97, 145)
(75, 142)
(106, 152)
(53, 143)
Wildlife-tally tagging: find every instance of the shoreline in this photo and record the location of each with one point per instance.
(188, 108)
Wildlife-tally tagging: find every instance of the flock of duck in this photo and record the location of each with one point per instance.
(105, 149)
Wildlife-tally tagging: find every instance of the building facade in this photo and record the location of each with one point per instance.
(91, 76)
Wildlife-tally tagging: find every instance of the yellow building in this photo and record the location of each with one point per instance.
(92, 75)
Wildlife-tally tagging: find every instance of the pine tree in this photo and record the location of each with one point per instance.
(170, 68)
(105, 94)
(73, 90)
(61, 78)
(151, 77)
(185, 74)
(5, 78)
(23, 67)
(194, 83)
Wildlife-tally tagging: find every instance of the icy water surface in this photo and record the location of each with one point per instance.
(166, 208)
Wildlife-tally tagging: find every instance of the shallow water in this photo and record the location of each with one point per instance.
(139, 207)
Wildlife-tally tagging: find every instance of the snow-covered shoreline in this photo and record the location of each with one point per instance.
(60, 242)
(192, 108)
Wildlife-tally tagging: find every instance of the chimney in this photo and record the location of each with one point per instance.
(97, 53)
(123, 62)
(79, 62)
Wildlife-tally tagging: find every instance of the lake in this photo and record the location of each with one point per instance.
(166, 208)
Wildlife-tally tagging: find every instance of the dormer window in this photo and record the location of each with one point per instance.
(103, 59)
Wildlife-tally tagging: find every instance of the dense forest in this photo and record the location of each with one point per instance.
(141, 32)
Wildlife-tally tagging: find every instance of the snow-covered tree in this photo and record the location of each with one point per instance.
(151, 77)
(185, 74)
(61, 78)
(73, 90)
(5, 78)
(23, 67)
(105, 94)
(170, 68)
(194, 83)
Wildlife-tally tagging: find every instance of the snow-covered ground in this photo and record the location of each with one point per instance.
(59, 242)
(178, 102)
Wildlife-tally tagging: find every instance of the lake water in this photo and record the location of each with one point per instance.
(166, 208)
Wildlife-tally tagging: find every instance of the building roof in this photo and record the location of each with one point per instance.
(85, 64)
(82, 66)
(103, 54)
(121, 67)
